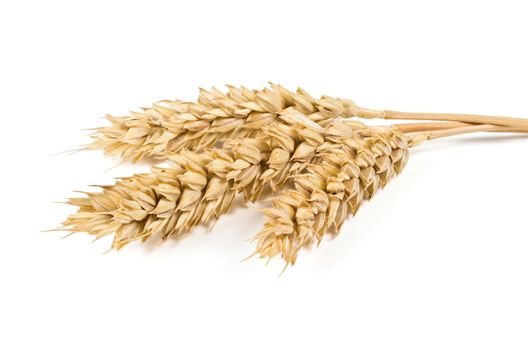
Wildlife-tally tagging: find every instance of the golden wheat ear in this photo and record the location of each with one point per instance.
(333, 187)
(169, 126)
(336, 185)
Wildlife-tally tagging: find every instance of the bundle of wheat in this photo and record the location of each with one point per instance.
(244, 141)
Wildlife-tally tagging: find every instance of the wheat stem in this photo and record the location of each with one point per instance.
(432, 135)
(518, 123)
(440, 126)
(428, 126)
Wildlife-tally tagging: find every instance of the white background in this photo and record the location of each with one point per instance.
(436, 260)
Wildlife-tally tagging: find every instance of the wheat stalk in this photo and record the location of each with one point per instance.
(269, 138)
(336, 184)
(169, 126)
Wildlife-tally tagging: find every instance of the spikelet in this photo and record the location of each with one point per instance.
(169, 126)
(168, 201)
(362, 161)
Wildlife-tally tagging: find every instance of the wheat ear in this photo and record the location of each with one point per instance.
(169, 126)
(362, 161)
(335, 184)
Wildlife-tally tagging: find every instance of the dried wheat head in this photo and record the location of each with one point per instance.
(361, 161)
(169, 126)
